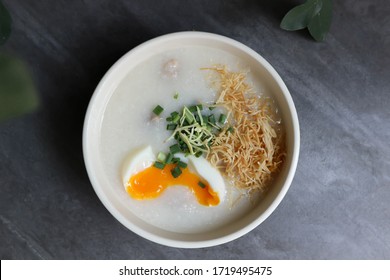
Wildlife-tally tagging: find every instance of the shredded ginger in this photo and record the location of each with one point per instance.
(252, 152)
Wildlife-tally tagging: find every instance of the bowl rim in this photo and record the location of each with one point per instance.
(214, 241)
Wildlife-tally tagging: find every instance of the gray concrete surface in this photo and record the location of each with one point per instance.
(338, 206)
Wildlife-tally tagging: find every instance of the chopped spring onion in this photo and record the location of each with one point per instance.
(174, 148)
(199, 154)
(171, 126)
(176, 118)
(212, 119)
(187, 115)
(174, 114)
(182, 164)
(159, 165)
(201, 184)
(158, 110)
(222, 118)
(161, 157)
(176, 172)
(192, 108)
(169, 158)
(230, 129)
(176, 96)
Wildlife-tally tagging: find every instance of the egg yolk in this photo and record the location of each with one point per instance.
(152, 181)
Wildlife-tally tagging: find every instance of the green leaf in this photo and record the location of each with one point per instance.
(299, 17)
(5, 24)
(17, 91)
(320, 24)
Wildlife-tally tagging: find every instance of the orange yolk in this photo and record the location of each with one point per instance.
(152, 181)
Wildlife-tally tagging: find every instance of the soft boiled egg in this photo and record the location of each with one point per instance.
(142, 180)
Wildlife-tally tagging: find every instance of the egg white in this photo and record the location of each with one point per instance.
(203, 168)
(136, 161)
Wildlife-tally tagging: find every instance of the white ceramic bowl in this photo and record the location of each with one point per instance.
(94, 118)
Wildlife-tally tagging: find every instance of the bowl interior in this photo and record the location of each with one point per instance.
(92, 128)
